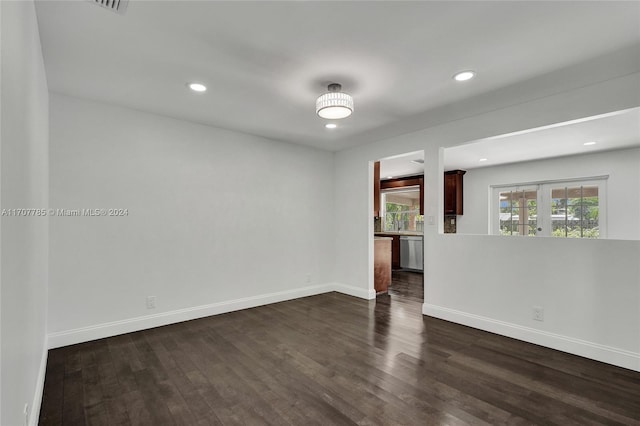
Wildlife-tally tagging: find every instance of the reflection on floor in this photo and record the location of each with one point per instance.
(407, 285)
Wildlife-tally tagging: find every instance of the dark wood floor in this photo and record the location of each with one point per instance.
(407, 285)
(330, 359)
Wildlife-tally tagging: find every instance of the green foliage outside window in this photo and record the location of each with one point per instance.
(399, 217)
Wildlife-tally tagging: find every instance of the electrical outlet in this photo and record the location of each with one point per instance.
(308, 278)
(538, 313)
(151, 302)
(25, 411)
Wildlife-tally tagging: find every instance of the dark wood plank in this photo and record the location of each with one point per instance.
(407, 286)
(331, 359)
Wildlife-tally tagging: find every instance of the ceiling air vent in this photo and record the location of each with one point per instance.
(118, 6)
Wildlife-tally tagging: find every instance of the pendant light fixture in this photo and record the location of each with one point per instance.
(334, 104)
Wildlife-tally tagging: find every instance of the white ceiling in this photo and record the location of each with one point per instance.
(402, 165)
(266, 62)
(612, 131)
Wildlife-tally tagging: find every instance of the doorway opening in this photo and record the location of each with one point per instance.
(398, 227)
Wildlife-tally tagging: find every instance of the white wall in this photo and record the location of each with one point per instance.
(24, 240)
(590, 290)
(217, 220)
(623, 192)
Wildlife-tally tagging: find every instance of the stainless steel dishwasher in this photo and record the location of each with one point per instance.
(411, 254)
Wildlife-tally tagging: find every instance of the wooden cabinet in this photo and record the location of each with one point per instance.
(395, 248)
(382, 264)
(376, 189)
(453, 200)
(395, 252)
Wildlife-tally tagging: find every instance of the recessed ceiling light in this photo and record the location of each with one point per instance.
(464, 75)
(589, 143)
(389, 177)
(331, 125)
(197, 87)
(482, 160)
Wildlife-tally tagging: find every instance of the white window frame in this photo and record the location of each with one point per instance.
(494, 211)
(544, 200)
(383, 201)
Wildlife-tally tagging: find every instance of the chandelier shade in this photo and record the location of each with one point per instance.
(334, 104)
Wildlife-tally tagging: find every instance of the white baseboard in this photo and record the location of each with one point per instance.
(99, 331)
(114, 328)
(34, 414)
(598, 352)
(355, 291)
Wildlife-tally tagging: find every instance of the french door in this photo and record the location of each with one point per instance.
(569, 209)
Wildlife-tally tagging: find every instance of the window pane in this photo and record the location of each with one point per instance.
(506, 212)
(559, 212)
(401, 210)
(575, 212)
(518, 212)
(532, 213)
(590, 212)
